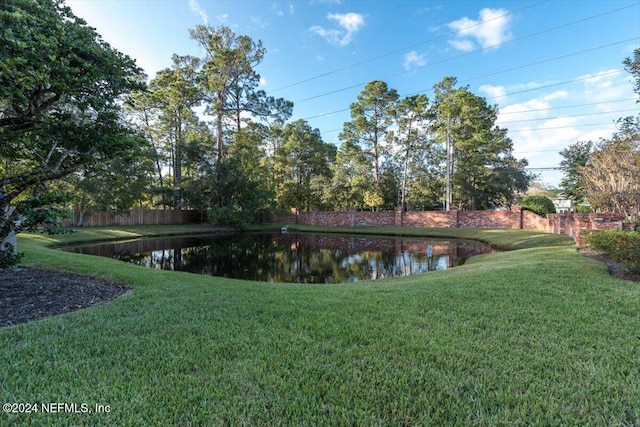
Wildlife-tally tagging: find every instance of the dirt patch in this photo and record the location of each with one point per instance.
(616, 269)
(28, 293)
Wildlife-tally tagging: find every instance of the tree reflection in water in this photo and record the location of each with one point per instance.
(294, 258)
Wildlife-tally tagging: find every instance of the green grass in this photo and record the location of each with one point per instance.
(537, 335)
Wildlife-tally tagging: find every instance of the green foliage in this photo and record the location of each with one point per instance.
(229, 82)
(583, 208)
(622, 246)
(46, 211)
(228, 216)
(116, 184)
(371, 117)
(607, 174)
(538, 204)
(9, 256)
(240, 194)
(352, 177)
(576, 157)
(633, 67)
(373, 199)
(299, 164)
(61, 93)
(484, 172)
(611, 178)
(418, 156)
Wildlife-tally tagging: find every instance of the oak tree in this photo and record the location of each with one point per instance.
(61, 93)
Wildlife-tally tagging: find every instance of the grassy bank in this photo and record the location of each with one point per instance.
(538, 335)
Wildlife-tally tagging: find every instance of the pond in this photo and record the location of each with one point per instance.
(291, 257)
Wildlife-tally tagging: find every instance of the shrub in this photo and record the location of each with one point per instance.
(538, 204)
(622, 246)
(9, 256)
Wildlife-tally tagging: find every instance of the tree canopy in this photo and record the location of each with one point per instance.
(61, 93)
(484, 172)
(607, 173)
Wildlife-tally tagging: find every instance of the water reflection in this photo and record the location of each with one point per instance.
(295, 258)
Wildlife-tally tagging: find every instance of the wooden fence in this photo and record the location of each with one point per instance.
(136, 216)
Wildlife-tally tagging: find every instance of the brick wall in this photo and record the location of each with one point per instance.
(533, 221)
(428, 219)
(571, 224)
(467, 219)
(490, 219)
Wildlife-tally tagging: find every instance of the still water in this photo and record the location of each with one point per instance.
(291, 257)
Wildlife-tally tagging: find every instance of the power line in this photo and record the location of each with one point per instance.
(571, 116)
(565, 106)
(384, 55)
(448, 35)
(547, 118)
(559, 127)
(477, 77)
(467, 54)
(578, 79)
(545, 61)
(494, 97)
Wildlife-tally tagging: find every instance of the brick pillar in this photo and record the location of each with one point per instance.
(399, 216)
(519, 210)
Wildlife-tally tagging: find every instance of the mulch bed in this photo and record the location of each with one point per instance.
(615, 268)
(29, 294)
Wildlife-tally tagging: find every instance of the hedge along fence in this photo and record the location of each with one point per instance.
(136, 216)
(622, 246)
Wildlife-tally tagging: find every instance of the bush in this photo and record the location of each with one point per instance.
(538, 204)
(622, 246)
(9, 256)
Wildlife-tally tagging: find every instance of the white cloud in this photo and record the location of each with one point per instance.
(331, 36)
(559, 94)
(263, 81)
(545, 121)
(292, 10)
(349, 21)
(463, 45)
(349, 24)
(413, 59)
(604, 86)
(196, 8)
(490, 30)
(493, 91)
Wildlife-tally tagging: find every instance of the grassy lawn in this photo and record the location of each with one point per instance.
(537, 335)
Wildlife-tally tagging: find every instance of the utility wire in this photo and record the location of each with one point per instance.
(402, 49)
(571, 116)
(547, 118)
(329, 113)
(453, 33)
(533, 110)
(558, 127)
(447, 59)
(478, 77)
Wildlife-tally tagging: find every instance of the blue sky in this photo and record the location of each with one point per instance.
(554, 68)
